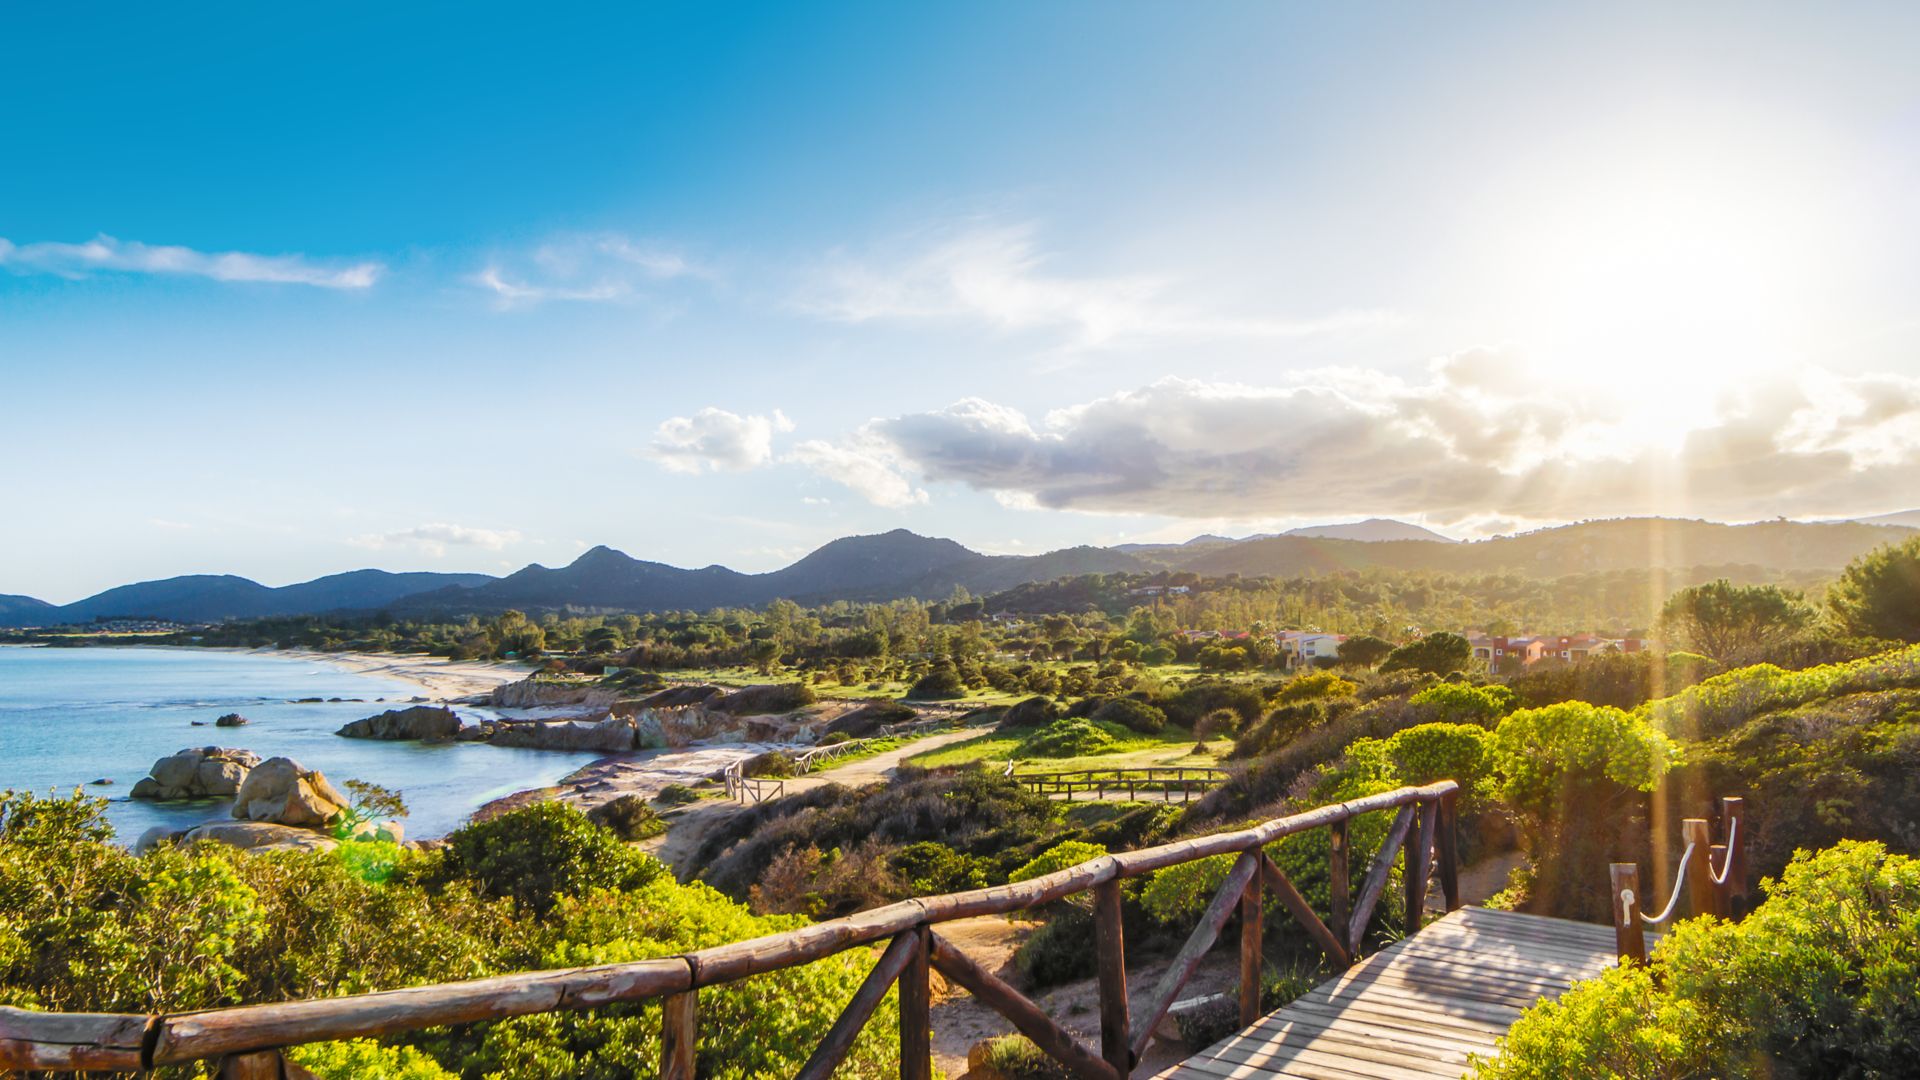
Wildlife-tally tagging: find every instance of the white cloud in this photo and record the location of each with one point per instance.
(104, 253)
(594, 268)
(435, 538)
(996, 274)
(715, 439)
(1461, 446)
(864, 463)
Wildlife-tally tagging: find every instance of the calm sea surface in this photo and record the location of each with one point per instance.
(71, 716)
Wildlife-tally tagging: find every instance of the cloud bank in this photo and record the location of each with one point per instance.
(997, 275)
(1458, 446)
(435, 538)
(596, 268)
(713, 440)
(106, 254)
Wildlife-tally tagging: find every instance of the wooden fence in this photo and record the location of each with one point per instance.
(750, 788)
(1165, 780)
(1721, 892)
(246, 1041)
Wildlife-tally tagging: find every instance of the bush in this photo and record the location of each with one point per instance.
(773, 765)
(628, 817)
(1201, 697)
(1878, 596)
(678, 795)
(1060, 952)
(1032, 712)
(1457, 703)
(1435, 654)
(1058, 857)
(1817, 981)
(1070, 738)
(538, 854)
(1132, 714)
(1015, 1057)
(1319, 684)
(930, 867)
(771, 698)
(941, 684)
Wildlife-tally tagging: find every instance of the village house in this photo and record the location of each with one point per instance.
(1299, 648)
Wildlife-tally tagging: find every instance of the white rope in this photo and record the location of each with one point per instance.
(1726, 864)
(1686, 858)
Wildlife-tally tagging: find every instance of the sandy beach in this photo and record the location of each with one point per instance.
(438, 678)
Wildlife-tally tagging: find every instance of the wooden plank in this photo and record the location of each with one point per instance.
(1386, 1046)
(990, 990)
(1360, 1057)
(916, 1010)
(258, 1065)
(32, 1040)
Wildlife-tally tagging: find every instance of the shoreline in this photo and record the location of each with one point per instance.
(441, 679)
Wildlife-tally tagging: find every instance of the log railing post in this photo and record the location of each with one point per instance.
(1418, 864)
(259, 1065)
(679, 1035)
(1733, 814)
(1339, 889)
(1252, 922)
(916, 1011)
(1629, 937)
(1110, 945)
(1698, 871)
(1446, 843)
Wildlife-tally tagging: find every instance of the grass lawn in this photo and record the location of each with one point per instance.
(1172, 747)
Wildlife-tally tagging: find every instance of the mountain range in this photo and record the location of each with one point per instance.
(903, 564)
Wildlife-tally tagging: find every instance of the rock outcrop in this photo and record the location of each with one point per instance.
(205, 772)
(611, 734)
(282, 791)
(673, 696)
(417, 722)
(535, 694)
(261, 836)
(232, 719)
(869, 718)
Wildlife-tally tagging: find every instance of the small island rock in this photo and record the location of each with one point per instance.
(205, 772)
(232, 719)
(418, 722)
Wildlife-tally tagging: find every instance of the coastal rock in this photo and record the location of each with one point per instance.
(261, 836)
(152, 838)
(418, 722)
(611, 734)
(103, 782)
(536, 693)
(232, 719)
(282, 791)
(869, 718)
(673, 695)
(196, 773)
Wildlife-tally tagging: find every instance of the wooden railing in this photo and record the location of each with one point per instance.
(247, 1041)
(1721, 892)
(750, 788)
(1164, 779)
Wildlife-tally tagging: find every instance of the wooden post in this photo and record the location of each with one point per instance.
(1733, 813)
(916, 1011)
(1252, 922)
(1446, 841)
(259, 1065)
(679, 1034)
(1110, 948)
(1418, 864)
(1700, 888)
(1629, 937)
(1338, 888)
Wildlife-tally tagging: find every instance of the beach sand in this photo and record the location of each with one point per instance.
(438, 678)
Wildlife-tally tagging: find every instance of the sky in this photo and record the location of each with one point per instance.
(287, 291)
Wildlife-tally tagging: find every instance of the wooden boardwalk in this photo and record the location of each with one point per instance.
(1416, 1009)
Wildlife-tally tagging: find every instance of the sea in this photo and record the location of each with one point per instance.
(70, 717)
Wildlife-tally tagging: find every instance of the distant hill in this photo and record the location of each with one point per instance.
(886, 566)
(1587, 547)
(899, 564)
(213, 598)
(1906, 519)
(23, 610)
(1372, 530)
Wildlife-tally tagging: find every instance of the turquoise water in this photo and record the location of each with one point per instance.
(70, 716)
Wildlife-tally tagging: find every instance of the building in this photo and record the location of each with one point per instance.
(1300, 648)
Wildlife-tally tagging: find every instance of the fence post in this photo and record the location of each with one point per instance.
(1629, 937)
(258, 1065)
(1417, 853)
(1447, 843)
(679, 1033)
(1252, 922)
(1338, 887)
(1733, 813)
(916, 1011)
(1698, 870)
(1110, 949)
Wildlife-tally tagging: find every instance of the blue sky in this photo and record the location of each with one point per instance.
(286, 292)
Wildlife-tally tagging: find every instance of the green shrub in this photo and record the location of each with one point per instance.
(1015, 1057)
(773, 764)
(940, 684)
(538, 854)
(1070, 738)
(1061, 951)
(1457, 703)
(1435, 654)
(1879, 594)
(1203, 696)
(929, 867)
(1132, 714)
(628, 817)
(677, 795)
(359, 1059)
(1058, 857)
(1817, 981)
(1313, 687)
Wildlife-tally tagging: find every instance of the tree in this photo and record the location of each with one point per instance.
(1436, 654)
(764, 653)
(1365, 650)
(1729, 622)
(1879, 594)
